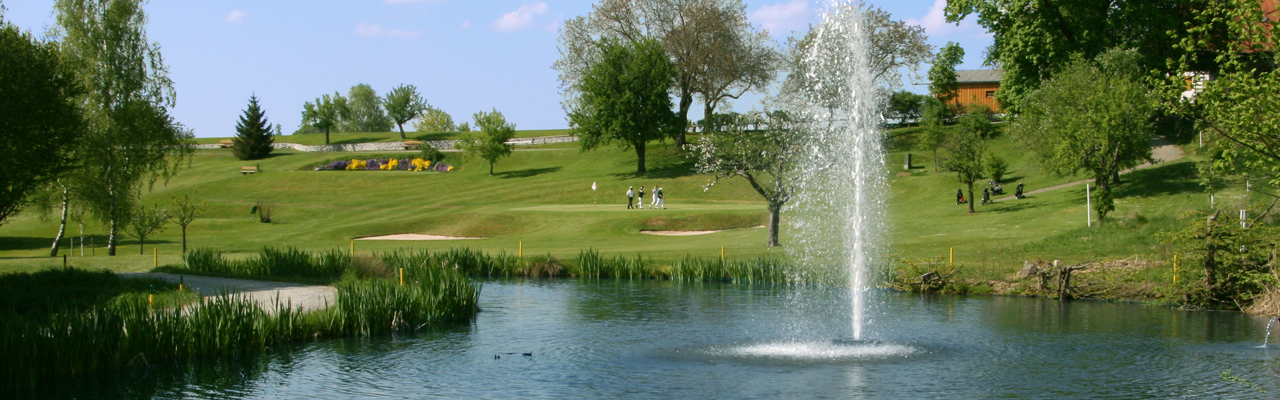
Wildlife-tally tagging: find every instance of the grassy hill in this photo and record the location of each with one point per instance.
(542, 196)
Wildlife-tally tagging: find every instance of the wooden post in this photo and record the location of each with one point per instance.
(64, 261)
(1175, 269)
(401, 276)
(353, 248)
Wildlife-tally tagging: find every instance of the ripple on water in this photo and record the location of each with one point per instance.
(820, 351)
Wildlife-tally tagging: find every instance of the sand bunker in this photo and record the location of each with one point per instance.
(416, 236)
(677, 233)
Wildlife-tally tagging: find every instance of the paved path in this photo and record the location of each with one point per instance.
(310, 297)
(1162, 151)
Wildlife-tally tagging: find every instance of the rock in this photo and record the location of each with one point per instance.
(1029, 270)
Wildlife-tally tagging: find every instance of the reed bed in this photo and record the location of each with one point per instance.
(287, 262)
(749, 271)
(129, 331)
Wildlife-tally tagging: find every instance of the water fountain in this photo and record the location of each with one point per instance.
(1267, 338)
(839, 210)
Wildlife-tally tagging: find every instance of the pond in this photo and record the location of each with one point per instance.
(618, 339)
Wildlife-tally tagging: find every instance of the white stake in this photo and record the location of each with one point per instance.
(1088, 205)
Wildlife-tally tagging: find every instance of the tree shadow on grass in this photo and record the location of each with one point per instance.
(526, 173)
(1014, 205)
(29, 243)
(1163, 180)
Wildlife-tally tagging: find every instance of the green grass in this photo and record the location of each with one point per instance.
(542, 200)
(368, 137)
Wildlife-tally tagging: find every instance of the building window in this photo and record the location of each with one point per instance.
(991, 94)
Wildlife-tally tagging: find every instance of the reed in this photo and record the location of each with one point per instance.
(750, 271)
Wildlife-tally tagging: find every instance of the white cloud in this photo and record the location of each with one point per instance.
(521, 18)
(235, 17)
(935, 24)
(783, 17)
(466, 24)
(375, 30)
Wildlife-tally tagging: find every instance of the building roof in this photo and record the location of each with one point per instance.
(979, 76)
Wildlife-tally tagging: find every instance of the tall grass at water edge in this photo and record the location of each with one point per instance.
(128, 331)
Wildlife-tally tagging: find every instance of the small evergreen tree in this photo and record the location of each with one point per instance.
(253, 133)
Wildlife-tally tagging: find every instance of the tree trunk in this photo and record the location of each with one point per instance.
(112, 226)
(326, 135)
(971, 211)
(775, 211)
(1104, 191)
(1115, 177)
(490, 169)
(62, 226)
(142, 243)
(401, 131)
(640, 158)
(184, 239)
(686, 100)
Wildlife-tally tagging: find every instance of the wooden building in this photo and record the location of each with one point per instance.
(977, 86)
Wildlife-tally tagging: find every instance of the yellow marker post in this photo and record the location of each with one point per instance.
(401, 276)
(951, 262)
(151, 299)
(521, 250)
(1175, 269)
(353, 248)
(721, 253)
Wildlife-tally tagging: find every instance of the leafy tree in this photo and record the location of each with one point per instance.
(1094, 116)
(403, 104)
(41, 122)
(904, 106)
(964, 151)
(997, 167)
(1237, 259)
(1034, 39)
(624, 98)
(145, 222)
(185, 211)
(942, 75)
(761, 148)
(324, 114)
(1238, 106)
(131, 140)
(464, 127)
(715, 51)
(934, 118)
(894, 45)
(253, 133)
(435, 120)
(364, 111)
(490, 142)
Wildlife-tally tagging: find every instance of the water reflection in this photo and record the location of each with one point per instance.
(658, 339)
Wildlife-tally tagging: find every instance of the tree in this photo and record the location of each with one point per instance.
(942, 75)
(1094, 116)
(1238, 106)
(1034, 39)
(41, 121)
(624, 98)
(364, 111)
(964, 151)
(253, 133)
(715, 51)
(435, 120)
(185, 211)
(490, 142)
(145, 222)
(904, 106)
(934, 118)
(997, 167)
(1237, 258)
(893, 45)
(762, 148)
(324, 114)
(403, 104)
(131, 139)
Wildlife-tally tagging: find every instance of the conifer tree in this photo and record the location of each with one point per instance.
(253, 133)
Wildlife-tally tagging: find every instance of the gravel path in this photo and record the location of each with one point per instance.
(1162, 151)
(309, 297)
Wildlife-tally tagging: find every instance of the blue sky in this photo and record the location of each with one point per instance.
(463, 55)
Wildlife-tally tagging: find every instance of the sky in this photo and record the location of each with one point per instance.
(464, 56)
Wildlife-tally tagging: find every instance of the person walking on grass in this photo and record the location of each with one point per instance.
(631, 197)
(640, 196)
(986, 196)
(959, 197)
(654, 202)
(659, 198)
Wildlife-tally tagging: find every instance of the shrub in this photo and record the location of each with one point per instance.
(430, 153)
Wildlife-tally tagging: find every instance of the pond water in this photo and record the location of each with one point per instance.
(665, 340)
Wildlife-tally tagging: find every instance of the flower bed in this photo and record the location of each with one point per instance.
(386, 164)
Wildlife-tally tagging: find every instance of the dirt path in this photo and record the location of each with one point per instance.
(309, 297)
(1162, 151)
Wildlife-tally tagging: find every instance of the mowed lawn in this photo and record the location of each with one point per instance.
(542, 197)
